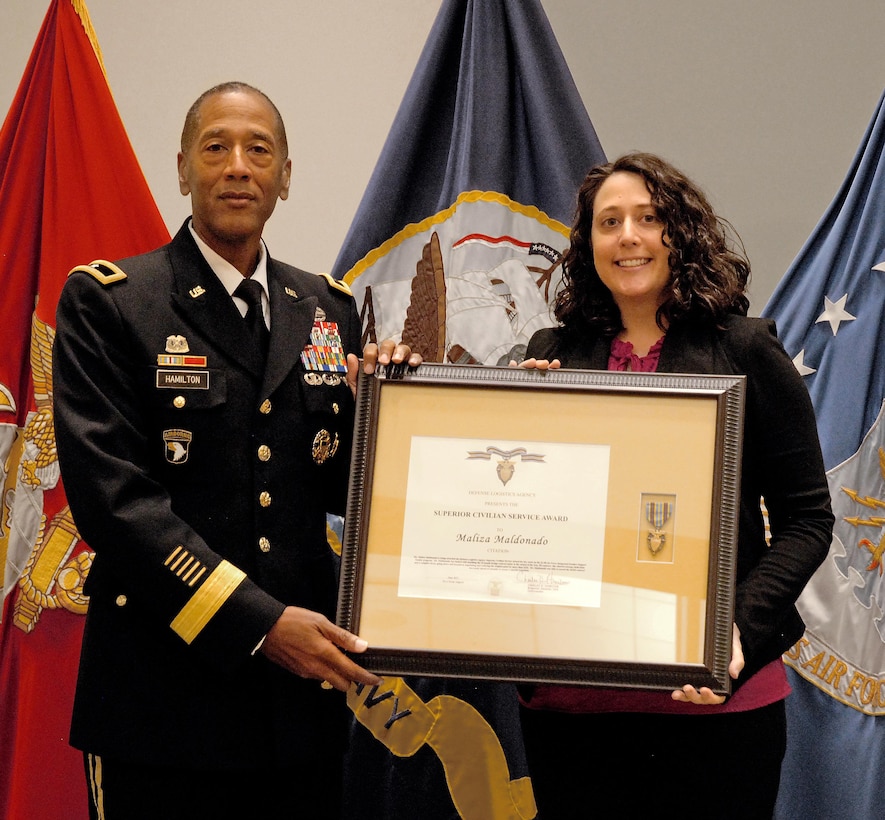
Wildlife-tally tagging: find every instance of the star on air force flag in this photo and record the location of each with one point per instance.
(829, 310)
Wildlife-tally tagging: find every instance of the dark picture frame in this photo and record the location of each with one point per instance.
(659, 573)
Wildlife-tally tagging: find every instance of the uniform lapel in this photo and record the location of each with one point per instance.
(205, 303)
(291, 320)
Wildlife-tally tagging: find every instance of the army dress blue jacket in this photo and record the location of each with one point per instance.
(202, 485)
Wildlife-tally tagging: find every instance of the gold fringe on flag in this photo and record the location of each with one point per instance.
(83, 14)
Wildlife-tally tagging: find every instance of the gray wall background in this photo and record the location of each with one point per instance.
(763, 103)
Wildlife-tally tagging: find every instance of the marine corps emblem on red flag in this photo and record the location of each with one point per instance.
(73, 191)
(41, 559)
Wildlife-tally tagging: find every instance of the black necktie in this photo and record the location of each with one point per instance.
(250, 293)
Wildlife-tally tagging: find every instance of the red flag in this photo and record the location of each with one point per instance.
(71, 191)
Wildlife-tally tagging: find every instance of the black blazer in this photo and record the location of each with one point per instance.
(781, 463)
(202, 485)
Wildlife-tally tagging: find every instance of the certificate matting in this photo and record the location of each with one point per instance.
(660, 619)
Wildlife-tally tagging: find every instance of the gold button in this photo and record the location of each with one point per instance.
(263, 544)
(335, 408)
(265, 407)
(264, 499)
(121, 600)
(264, 453)
(179, 401)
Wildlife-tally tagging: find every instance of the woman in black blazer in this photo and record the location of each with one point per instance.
(653, 281)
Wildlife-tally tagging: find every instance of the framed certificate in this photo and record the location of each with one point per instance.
(568, 526)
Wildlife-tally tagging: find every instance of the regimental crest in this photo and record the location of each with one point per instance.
(177, 344)
(506, 464)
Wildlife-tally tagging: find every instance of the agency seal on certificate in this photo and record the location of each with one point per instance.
(572, 526)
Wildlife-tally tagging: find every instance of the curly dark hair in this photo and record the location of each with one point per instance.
(709, 270)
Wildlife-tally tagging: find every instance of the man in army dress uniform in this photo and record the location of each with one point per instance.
(199, 458)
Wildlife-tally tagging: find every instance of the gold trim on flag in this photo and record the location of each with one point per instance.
(454, 729)
(83, 14)
(416, 228)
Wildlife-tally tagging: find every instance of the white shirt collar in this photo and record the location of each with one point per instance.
(230, 277)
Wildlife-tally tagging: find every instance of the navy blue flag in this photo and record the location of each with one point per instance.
(457, 242)
(456, 248)
(829, 308)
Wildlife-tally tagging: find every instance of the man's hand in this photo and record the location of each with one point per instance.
(705, 696)
(309, 644)
(387, 352)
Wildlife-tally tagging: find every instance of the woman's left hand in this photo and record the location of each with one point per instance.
(537, 364)
(705, 696)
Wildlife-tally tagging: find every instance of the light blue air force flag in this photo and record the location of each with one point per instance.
(829, 309)
(456, 248)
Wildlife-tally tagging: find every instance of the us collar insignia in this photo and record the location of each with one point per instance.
(199, 290)
(292, 293)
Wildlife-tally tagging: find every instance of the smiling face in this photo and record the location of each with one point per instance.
(628, 243)
(234, 169)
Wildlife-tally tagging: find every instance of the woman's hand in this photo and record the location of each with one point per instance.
(537, 364)
(705, 696)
